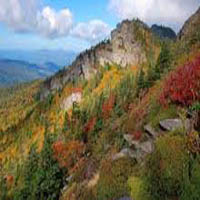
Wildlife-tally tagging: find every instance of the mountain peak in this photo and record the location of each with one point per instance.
(190, 29)
(163, 32)
(128, 46)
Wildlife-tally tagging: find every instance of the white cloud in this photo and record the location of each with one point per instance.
(54, 24)
(18, 14)
(168, 12)
(92, 31)
(30, 16)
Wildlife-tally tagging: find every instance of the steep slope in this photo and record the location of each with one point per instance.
(15, 71)
(131, 44)
(163, 32)
(190, 32)
(120, 133)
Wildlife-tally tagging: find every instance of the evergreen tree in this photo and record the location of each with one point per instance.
(43, 176)
(141, 82)
(164, 61)
(162, 66)
(50, 176)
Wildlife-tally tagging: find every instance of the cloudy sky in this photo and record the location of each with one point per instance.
(78, 24)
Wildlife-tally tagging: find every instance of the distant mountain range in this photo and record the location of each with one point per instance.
(16, 71)
(59, 57)
(16, 66)
(163, 32)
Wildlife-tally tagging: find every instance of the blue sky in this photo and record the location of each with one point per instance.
(78, 24)
(85, 10)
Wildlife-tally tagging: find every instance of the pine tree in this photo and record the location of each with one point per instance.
(163, 65)
(141, 82)
(164, 61)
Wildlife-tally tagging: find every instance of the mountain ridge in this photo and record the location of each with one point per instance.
(17, 71)
(125, 48)
(189, 31)
(163, 32)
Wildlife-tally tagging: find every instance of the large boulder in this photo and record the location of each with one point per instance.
(173, 124)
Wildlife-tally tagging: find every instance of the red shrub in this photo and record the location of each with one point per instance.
(108, 106)
(137, 135)
(90, 125)
(68, 154)
(9, 180)
(77, 90)
(183, 85)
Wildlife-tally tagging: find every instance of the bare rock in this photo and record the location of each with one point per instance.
(124, 48)
(68, 102)
(130, 139)
(150, 131)
(147, 147)
(173, 124)
(124, 153)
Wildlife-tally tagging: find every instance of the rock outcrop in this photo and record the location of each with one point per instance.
(73, 98)
(150, 131)
(173, 124)
(191, 28)
(126, 47)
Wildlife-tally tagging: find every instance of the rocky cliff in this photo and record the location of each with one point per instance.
(191, 29)
(127, 46)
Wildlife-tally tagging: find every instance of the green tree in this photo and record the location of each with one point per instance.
(162, 66)
(141, 81)
(164, 61)
(43, 178)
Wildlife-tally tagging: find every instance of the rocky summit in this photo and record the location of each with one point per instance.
(126, 47)
(191, 27)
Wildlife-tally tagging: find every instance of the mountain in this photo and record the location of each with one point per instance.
(127, 47)
(191, 28)
(39, 57)
(163, 32)
(15, 71)
(120, 123)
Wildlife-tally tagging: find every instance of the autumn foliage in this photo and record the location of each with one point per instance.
(193, 142)
(183, 85)
(9, 180)
(68, 154)
(108, 106)
(90, 125)
(137, 135)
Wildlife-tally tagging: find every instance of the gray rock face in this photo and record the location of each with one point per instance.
(130, 140)
(139, 151)
(171, 124)
(150, 131)
(191, 27)
(124, 153)
(147, 147)
(68, 102)
(124, 49)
